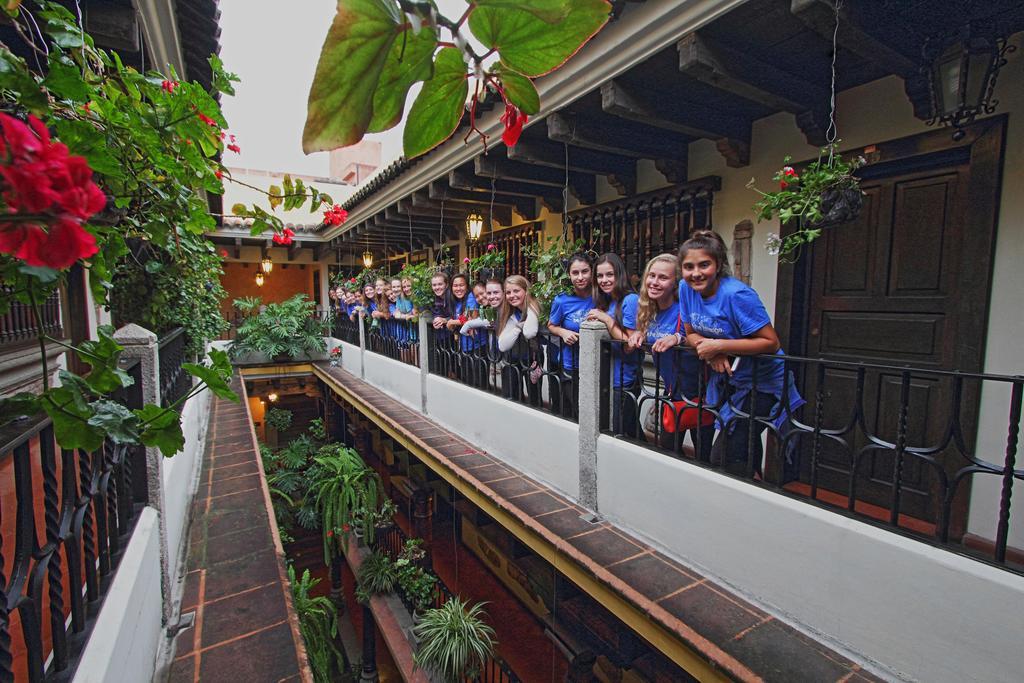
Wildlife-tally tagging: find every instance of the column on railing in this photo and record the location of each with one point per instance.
(425, 331)
(362, 345)
(592, 333)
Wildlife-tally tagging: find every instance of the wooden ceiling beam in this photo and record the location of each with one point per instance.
(549, 197)
(731, 135)
(293, 249)
(620, 171)
(503, 214)
(524, 206)
(582, 185)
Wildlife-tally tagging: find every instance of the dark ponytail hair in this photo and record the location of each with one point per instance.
(712, 243)
(579, 256)
(622, 285)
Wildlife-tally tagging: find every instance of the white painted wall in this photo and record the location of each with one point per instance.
(536, 443)
(399, 379)
(923, 613)
(127, 633)
(349, 356)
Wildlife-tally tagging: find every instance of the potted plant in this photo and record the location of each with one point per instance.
(383, 518)
(416, 585)
(454, 641)
(549, 264)
(420, 274)
(377, 575)
(443, 260)
(318, 624)
(335, 356)
(278, 331)
(490, 264)
(413, 550)
(825, 193)
(343, 485)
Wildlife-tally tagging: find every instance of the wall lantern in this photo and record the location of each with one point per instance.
(260, 278)
(367, 259)
(266, 265)
(474, 226)
(961, 72)
(272, 397)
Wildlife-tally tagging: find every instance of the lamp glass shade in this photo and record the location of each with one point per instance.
(474, 225)
(266, 265)
(367, 259)
(260, 279)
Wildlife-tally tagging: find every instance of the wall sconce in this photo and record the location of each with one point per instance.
(272, 397)
(474, 226)
(260, 278)
(961, 73)
(266, 264)
(367, 259)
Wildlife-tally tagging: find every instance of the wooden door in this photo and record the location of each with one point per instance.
(906, 284)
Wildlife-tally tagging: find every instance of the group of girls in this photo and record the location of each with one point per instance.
(387, 305)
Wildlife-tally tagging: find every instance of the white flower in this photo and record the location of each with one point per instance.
(773, 243)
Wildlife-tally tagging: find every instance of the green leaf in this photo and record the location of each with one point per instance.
(213, 377)
(41, 273)
(410, 60)
(341, 100)
(534, 47)
(18, 405)
(119, 423)
(549, 11)
(161, 428)
(274, 196)
(14, 76)
(436, 113)
(64, 80)
(520, 90)
(71, 425)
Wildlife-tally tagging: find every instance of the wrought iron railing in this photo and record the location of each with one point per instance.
(887, 444)
(396, 339)
(346, 329)
(175, 382)
(516, 244)
(530, 373)
(19, 325)
(73, 513)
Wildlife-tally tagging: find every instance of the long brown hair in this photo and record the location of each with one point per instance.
(619, 291)
(711, 242)
(528, 300)
(647, 309)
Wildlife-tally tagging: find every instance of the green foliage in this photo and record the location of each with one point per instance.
(549, 267)
(799, 198)
(279, 419)
(290, 473)
(318, 623)
(492, 258)
(415, 583)
(344, 484)
(288, 328)
(376, 50)
(454, 641)
(377, 575)
(420, 274)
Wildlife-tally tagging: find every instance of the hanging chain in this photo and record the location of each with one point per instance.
(409, 258)
(490, 212)
(565, 193)
(833, 131)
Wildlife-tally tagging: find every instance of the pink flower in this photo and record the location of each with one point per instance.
(491, 247)
(335, 215)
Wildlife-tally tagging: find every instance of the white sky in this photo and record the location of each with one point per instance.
(274, 51)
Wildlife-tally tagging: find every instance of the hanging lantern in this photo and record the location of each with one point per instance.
(474, 226)
(272, 397)
(266, 265)
(367, 259)
(962, 76)
(260, 278)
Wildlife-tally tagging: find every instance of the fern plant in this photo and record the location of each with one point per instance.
(318, 623)
(344, 484)
(377, 575)
(454, 641)
(289, 328)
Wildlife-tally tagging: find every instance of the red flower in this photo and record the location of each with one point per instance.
(330, 533)
(40, 177)
(513, 120)
(284, 237)
(352, 280)
(224, 253)
(219, 173)
(345, 528)
(206, 119)
(86, 109)
(169, 86)
(235, 148)
(462, 318)
(335, 215)
(789, 177)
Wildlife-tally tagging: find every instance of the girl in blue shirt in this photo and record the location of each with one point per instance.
(464, 307)
(567, 312)
(612, 293)
(723, 319)
(655, 321)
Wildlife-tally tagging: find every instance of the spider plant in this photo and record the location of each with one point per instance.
(454, 641)
(376, 575)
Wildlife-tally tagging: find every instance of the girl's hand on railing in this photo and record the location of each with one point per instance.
(569, 337)
(665, 343)
(600, 316)
(439, 322)
(721, 363)
(709, 348)
(635, 340)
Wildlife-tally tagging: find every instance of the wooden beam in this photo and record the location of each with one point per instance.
(549, 197)
(236, 248)
(293, 249)
(524, 206)
(620, 170)
(582, 185)
(503, 214)
(605, 134)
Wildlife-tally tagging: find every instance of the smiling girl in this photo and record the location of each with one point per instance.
(724, 318)
(519, 318)
(568, 310)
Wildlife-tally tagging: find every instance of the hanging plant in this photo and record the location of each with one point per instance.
(823, 194)
(489, 264)
(549, 265)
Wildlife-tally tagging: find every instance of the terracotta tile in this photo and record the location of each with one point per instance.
(512, 487)
(777, 653)
(242, 500)
(605, 546)
(243, 483)
(243, 613)
(456, 449)
(182, 670)
(228, 578)
(465, 461)
(710, 614)
(234, 458)
(565, 523)
(234, 470)
(651, 576)
(538, 503)
(265, 656)
(232, 521)
(233, 546)
(490, 472)
(190, 596)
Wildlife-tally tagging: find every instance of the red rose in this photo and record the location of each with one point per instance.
(513, 120)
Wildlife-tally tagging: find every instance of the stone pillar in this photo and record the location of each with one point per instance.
(140, 343)
(425, 330)
(591, 334)
(369, 670)
(362, 345)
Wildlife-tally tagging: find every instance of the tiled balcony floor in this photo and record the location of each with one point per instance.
(736, 637)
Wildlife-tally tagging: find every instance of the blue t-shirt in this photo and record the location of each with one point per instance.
(409, 326)
(396, 328)
(624, 365)
(735, 311)
(568, 311)
(678, 369)
(473, 339)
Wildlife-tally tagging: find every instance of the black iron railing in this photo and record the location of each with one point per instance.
(530, 373)
(174, 381)
(396, 339)
(887, 444)
(346, 329)
(19, 325)
(71, 509)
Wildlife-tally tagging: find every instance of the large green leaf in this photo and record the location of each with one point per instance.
(214, 379)
(411, 59)
(532, 46)
(520, 90)
(341, 99)
(550, 11)
(436, 113)
(161, 428)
